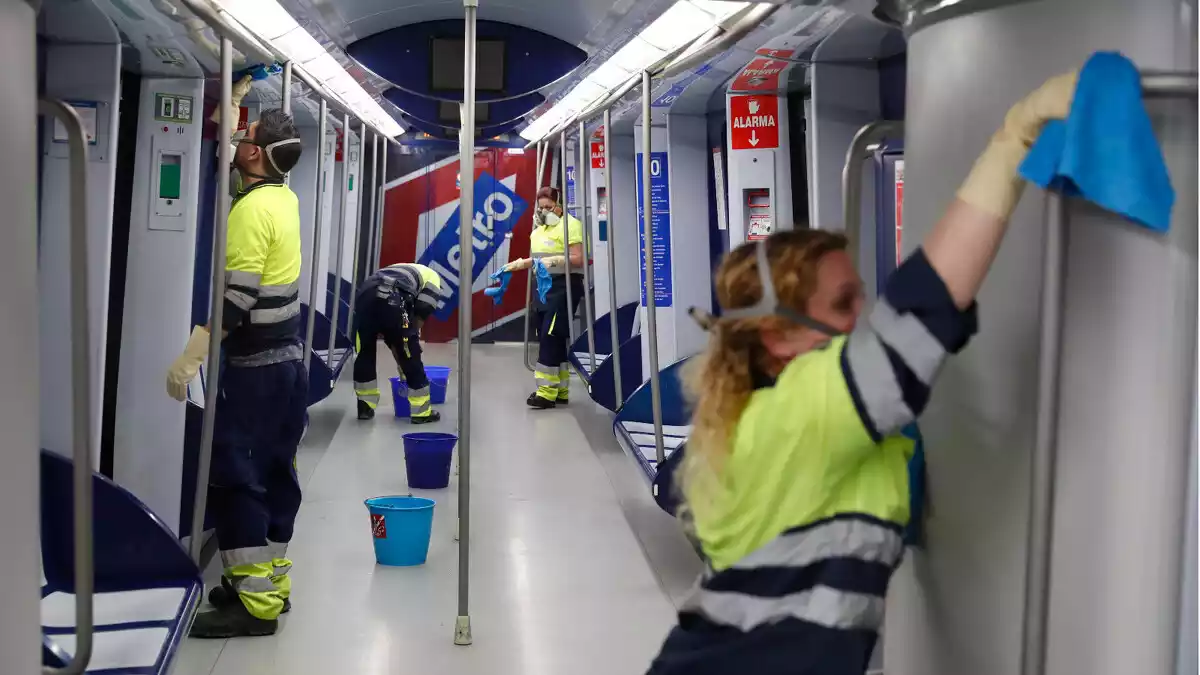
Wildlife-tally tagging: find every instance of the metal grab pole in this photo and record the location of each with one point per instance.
(382, 201)
(567, 247)
(612, 261)
(287, 104)
(543, 149)
(368, 266)
(648, 234)
(1045, 449)
(212, 385)
(852, 179)
(341, 237)
(581, 191)
(358, 208)
(466, 214)
(81, 391)
(313, 263)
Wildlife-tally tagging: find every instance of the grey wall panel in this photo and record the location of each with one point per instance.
(1129, 336)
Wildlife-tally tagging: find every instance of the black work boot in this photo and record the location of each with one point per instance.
(222, 595)
(535, 401)
(365, 411)
(229, 621)
(433, 416)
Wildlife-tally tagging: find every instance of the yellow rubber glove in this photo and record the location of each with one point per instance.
(240, 89)
(993, 184)
(518, 264)
(554, 261)
(186, 367)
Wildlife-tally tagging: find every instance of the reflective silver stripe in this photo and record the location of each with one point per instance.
(241, 300)
(834, 539)
(280, 291)
(905, 333)
(373, 385)
(821, 605)
(545, 370)
(268, 357)
(278, 549)
(428, 296)
(254, 555)
(254, 584)
(275, 315)
(416, 393)
(419, 410)
(876, 381)
(240, 278)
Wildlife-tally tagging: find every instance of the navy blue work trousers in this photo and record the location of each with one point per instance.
(253, 491)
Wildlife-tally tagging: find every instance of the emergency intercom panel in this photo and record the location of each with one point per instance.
(757, 213)
(169, 171)
(602, 212)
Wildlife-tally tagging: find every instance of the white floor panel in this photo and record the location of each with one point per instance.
(559, 583)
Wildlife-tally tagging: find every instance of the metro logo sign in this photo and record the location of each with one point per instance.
(597, 154)
(753, 122)
(761, 74)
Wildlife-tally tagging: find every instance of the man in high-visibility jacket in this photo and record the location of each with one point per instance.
(394, 302)
(254, 494)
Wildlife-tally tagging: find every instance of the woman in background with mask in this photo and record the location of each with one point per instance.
(555, 235)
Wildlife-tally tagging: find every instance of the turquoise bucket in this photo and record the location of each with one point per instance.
(401, 528)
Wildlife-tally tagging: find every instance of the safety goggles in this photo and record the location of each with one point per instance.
(768, 304)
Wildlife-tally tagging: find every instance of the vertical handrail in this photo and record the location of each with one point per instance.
(466, 265)
(543, 149)
(314, 265)
(368, 265)
(612, 261)
(382, 200)
(1045, 449)
(852, 178)
(341, 237)
(648, 247)
(581, 171)
(570, 317)
(212, 384)
(358, 208)
(81, 389)
(287, 105)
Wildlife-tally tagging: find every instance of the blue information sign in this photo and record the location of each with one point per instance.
(571, 191)
(660, 220)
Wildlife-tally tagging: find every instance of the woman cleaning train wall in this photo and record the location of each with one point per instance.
(552, 315)
(796, 478)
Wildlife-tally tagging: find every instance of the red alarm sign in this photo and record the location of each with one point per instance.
(597, 154)
(753, 122)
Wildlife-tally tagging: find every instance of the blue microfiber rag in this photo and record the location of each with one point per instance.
(258, 72)
(1106, 151)
(496, 293)
(543, 279)
(916, 487)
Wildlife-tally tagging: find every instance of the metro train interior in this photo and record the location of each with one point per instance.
(1055, 524)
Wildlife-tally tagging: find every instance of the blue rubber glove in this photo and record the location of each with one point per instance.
(543, 279)
(496, 293)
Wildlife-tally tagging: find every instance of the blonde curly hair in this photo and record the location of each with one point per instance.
(720, 381)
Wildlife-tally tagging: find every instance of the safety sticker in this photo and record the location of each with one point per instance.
(378, 526)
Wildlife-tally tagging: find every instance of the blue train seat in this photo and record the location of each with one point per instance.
(581, 358)
(147, 588)
(602, 387)
(634, 423)
(324, 369)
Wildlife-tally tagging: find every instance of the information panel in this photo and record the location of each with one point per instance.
(570, 205)
(660, 218)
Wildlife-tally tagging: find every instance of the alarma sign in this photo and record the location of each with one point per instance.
(597, 154)
(753, 122)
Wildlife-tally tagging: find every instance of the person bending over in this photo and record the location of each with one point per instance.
(394, 302)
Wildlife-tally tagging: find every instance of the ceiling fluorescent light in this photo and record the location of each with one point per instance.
(269, 21)
(682, 23)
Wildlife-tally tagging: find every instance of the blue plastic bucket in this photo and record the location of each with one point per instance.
(427, 458)
(401, 528)
(400, 397)
(439, 378)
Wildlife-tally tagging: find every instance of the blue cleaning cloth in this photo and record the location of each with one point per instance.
(543, 280)
(496, 293)
(258, 72)
(916, 487)
(1106, 151)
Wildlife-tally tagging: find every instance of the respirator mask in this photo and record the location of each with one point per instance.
(767, 305)
(279, 154)
(548, 217)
